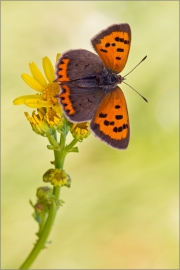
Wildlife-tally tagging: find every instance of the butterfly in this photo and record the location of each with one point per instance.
(89, 88)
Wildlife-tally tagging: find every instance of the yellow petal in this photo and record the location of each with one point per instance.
(41, 115)
(57, 57)
(48, 69)
(36, 119)
(29, 118)
(37, 103)
(21, 100)
(33, 105)
(36, 73)
(32, 82)
(45, 103)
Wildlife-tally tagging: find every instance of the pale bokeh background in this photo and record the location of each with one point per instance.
(122, 209)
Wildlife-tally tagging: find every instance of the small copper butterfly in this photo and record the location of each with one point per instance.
(89, 88)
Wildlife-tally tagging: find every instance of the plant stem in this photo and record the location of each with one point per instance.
(42, 240)
(70, 146)
(40, 244)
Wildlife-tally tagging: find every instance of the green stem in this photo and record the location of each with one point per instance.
(40, 244)
(43, 222)
(70, 146)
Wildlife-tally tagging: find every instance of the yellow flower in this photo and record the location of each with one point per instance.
(45, 86)
(80, 131)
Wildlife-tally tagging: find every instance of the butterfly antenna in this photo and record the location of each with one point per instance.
(136, 66)
(136, 91)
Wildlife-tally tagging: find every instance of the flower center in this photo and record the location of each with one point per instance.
(49, 93)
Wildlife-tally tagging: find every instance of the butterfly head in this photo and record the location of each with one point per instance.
(120, 79)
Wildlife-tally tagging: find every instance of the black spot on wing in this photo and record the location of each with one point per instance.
(102, 50)
(106, 123)
(120, 128)
(102, 115)
(107, 44)
(120, 50)
(119, 116)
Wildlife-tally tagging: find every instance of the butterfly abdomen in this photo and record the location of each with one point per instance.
(88, 82)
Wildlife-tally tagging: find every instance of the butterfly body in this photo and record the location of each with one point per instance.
(89, 85)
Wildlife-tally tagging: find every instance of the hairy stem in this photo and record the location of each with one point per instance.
(41, 242)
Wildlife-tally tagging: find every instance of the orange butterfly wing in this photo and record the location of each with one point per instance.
(111, 121)
(113, 45)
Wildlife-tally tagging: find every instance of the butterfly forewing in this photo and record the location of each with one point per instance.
(111, 121)
(77, 64)
(113, 45)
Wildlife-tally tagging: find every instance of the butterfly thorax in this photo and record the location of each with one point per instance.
(108, 78)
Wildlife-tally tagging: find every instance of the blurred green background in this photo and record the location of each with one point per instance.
(121, 211)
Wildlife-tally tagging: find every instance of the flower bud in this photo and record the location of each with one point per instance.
(57, 177)
(39, 207)
(80, 131)
(54, 119)
(39, 125)
(44, 194)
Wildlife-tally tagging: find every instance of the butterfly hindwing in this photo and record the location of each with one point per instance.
(111, 121)
(113, 45)
(80, 103)
(75, 64)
